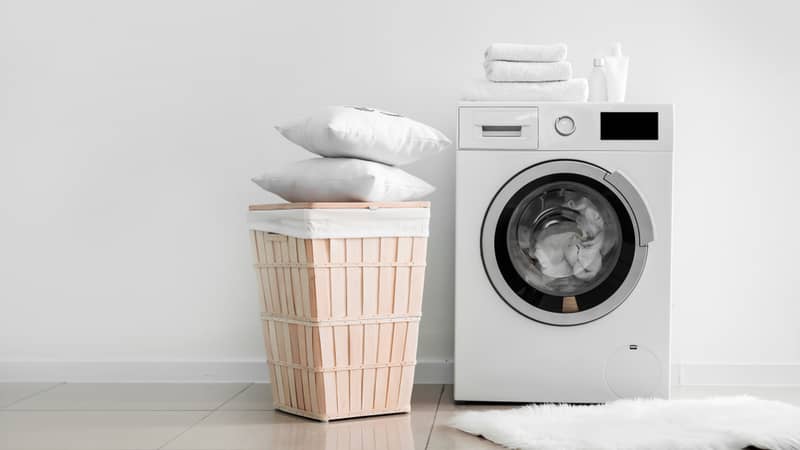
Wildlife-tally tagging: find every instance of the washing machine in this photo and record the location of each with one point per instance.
(562, 259)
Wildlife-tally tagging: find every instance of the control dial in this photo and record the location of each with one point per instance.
(565, 125)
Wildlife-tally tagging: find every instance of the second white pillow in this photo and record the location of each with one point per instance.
(343, 180)
(365, 133)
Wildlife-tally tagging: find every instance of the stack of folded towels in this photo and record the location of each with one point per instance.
(528, 72)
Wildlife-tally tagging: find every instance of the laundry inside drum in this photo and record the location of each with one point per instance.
(564, 239)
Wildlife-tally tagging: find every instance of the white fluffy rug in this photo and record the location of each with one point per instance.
(713, 423)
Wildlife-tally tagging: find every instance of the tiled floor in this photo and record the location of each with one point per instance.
(235, 416)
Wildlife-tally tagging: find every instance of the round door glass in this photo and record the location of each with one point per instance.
(564, 238)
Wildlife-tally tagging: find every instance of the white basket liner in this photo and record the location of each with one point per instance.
(342, 223)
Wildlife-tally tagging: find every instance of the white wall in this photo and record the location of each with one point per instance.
(129, 131)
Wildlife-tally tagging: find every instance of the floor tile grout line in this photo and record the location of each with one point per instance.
(248, 386)
(271, 408)
(31, 395)
(206, 416)
(194, 424)
(435, 413)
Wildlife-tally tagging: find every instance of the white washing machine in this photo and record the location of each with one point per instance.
(562, 252)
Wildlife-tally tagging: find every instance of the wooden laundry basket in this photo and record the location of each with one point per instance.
(340, 318)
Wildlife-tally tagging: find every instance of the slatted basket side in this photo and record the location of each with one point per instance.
(341, 321)
(330, 370)
(353, 278)
(285, 275)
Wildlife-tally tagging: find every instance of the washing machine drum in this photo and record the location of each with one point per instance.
(564, 242)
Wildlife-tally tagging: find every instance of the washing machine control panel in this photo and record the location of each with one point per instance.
(554, 126)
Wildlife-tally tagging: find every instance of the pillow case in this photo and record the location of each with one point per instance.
(365, 133)
(343, 180)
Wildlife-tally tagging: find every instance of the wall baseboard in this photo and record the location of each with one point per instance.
(434, 371)
(427, 371)
(252, 371)
(699, 374)
(134, 371)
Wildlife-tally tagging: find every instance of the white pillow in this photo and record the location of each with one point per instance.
(365, 133)
(343, 180)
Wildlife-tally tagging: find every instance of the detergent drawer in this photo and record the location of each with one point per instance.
(511, 128)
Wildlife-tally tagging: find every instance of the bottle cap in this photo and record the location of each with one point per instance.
(599, 62)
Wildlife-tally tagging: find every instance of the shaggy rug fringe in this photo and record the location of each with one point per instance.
(720, 423)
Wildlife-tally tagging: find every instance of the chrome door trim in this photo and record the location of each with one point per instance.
(641, 214)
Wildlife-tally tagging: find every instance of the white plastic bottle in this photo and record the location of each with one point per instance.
(597, 82)
(616, 74)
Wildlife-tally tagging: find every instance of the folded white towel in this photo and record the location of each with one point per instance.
(526, 52)
(527, 71)
(574, 90)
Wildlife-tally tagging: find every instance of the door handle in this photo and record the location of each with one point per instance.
(501, 130)
(641, 213)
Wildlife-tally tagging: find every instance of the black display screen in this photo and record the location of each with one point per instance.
(628, 126)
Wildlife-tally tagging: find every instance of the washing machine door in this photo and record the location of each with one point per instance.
(564, 242)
